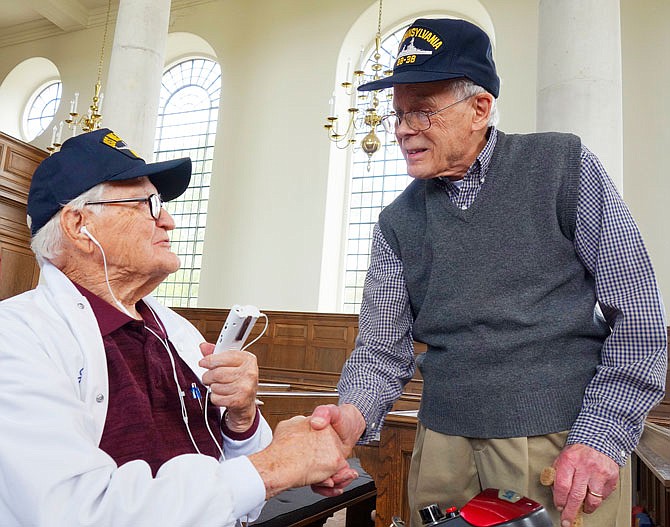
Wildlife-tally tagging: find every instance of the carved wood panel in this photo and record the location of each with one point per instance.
(18, 268)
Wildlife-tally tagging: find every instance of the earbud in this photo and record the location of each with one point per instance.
(84, 231)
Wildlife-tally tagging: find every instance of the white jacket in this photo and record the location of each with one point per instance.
(53, 404)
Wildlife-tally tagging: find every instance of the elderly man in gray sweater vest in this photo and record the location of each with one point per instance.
(516, 261)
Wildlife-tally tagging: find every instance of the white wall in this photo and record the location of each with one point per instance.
(75, 56)
(265, 225)
(645, 39)
(265, 232)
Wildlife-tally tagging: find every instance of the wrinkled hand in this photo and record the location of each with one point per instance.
(349, 424)
(300, 455)
(580, 468)
(233, 380)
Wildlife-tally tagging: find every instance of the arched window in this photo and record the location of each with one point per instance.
(187, 120)
(41, 109)
(371, 190)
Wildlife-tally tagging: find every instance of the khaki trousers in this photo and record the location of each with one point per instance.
(451, 470)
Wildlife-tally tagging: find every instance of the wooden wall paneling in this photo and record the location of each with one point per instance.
(298, 348)
(18, 270)
(395, 452)
(19, 161)
(278, 406)
(331, 345)
(285, 356)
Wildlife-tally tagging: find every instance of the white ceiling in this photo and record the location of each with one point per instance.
(66, 15)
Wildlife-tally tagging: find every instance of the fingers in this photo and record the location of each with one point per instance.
(335, 485)
(329, 492)
(232, 378)
(573, 506)
(547, 478)
(300, 455)
(592, 500)
(582, 479)
(230, 358)
(343, 477)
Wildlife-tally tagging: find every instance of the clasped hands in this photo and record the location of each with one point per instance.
(304, 450)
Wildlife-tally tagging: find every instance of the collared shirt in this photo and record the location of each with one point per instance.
(631, 376)
(463, 192)
(145, 419)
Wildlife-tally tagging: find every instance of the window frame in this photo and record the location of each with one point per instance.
(29, 105)
(189, 249)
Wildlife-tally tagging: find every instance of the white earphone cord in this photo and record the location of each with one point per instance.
(104, 263)
(209, 388)
(180, 392)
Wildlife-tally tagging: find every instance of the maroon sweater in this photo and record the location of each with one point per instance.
(144, 417)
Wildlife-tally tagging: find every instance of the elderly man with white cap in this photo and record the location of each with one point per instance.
(113, 409)
(516, 261)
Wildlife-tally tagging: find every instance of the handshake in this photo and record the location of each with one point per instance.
(304, 450)
(311, 451)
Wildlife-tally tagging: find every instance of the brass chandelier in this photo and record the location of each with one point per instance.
(355, 121)
(92, 119)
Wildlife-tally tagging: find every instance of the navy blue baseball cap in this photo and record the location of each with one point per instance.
(440, 49)
(89, 159)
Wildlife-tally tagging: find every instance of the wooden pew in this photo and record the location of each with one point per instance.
(651, 463)
(651, 473)
(305, 350)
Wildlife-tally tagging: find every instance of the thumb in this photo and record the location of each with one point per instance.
(324, 415)
(206, 348)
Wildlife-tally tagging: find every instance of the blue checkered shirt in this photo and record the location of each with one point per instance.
(630, 379)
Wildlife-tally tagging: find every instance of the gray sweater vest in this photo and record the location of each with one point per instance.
(499, 295)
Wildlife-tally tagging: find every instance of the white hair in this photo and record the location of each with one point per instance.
(47, 243)
(464, 87)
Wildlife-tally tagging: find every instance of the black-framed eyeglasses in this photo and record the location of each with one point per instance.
(154, 200)
(419, 120)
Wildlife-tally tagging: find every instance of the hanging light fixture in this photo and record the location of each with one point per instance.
(356, 122)
(92, 119)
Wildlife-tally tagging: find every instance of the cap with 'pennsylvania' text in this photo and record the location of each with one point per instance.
(440, 49)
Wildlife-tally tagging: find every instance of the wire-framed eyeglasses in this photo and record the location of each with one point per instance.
(154, 200)
(419, 120)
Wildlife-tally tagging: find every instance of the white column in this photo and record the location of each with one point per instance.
(579, 76)
(135, 70)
